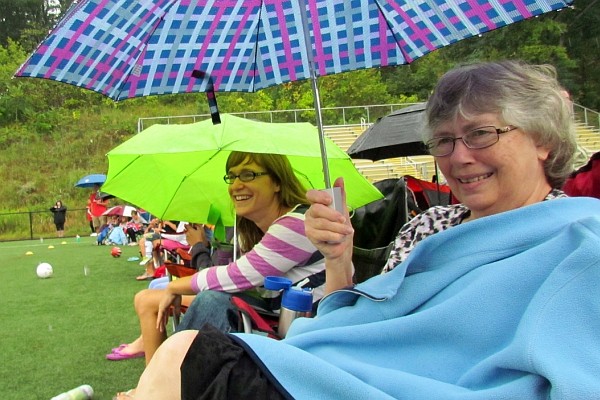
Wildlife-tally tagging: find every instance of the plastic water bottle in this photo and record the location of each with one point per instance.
(83, 392)
(295, 302)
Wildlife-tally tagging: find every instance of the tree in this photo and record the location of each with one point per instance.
(582, 39)
(28, 21)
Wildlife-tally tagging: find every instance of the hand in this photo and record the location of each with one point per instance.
(332, 234)
(329, 230)
(169, 298)
(194, 234)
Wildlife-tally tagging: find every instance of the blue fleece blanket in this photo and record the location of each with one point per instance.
(503, 307)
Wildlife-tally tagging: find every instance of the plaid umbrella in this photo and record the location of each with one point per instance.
(125, 49)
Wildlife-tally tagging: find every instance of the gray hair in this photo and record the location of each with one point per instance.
(523, 95)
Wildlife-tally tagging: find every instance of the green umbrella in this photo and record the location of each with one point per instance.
(176, 171)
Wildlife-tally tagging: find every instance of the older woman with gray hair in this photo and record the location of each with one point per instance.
(492, 298)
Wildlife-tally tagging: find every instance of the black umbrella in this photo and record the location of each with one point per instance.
(105, 196)
(395, 135)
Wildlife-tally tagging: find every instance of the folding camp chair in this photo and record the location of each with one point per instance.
(429, 194)
(178, 271)
(377, 224)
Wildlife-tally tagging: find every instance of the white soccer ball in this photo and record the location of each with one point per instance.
(44, 270)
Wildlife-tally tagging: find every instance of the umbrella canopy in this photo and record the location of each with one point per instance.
(89, 181)
(105, 196)
(125, 49)
(395, 135)
(176, 171)
(121, 210)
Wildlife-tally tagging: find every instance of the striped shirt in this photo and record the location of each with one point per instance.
(284, 250)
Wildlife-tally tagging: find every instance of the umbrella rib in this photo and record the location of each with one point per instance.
(254, 68)
(185, 178)
(149, 34)
(128, 164)
(405, 54)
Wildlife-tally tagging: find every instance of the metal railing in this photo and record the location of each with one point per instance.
(351, 115)
(587, 116)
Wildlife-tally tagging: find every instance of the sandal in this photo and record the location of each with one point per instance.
(117, 349)
(118, 355)
(130, 394)
(144, 277)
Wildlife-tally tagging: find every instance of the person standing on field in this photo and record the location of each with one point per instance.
(60, 217)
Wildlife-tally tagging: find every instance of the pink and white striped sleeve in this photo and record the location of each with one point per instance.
(283, 247)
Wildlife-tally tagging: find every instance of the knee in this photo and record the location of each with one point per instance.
(178, 344)
(146, 300)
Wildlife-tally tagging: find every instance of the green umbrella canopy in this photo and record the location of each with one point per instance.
(176, 171)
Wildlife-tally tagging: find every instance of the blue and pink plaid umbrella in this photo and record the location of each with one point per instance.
(125, 49)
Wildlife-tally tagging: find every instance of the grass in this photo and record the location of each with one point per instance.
(56, 331)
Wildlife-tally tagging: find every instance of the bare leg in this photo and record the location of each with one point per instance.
(146, 306)
(161, 379)
(156, 253)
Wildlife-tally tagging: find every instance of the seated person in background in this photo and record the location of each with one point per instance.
(117, 234)
(201, 258)
(492, 298)
(193, 236)
(173, 235)
(134, 227)
(151, 233)
(106, 229)
(169, 235)
(270, 203)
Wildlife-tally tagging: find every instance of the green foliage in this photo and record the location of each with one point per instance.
(582, 39)
(51, 133)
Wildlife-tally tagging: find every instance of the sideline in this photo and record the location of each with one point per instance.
(47, 242)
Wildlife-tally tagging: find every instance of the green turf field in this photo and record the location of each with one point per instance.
(56, 332)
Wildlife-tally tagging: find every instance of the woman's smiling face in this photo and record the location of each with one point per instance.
(502, 177)
(256, 200)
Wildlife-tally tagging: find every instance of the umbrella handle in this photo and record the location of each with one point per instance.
(336, 194)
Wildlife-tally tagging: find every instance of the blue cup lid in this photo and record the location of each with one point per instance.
(277, 283)
(297, 300)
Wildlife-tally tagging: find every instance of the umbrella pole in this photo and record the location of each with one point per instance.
(235, 238)
(315, 89)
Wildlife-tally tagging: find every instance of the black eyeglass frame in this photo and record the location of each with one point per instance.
(249, 176)
(499, 131)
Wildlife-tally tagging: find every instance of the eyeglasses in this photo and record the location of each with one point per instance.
(479, 138)
(245, 176)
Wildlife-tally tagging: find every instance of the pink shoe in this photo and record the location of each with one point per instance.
(118, 356)
(117, 349)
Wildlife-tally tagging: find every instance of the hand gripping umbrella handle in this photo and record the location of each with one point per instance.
(336, 194)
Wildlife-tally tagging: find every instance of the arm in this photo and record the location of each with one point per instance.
(283, 247)
(172, 296)
(332, 233)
